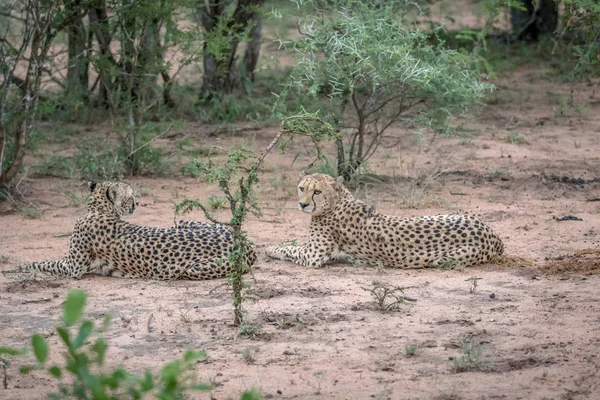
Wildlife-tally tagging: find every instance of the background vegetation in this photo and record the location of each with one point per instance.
(140, 68)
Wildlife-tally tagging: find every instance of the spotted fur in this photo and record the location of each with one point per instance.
(104, 244)
(344, 225)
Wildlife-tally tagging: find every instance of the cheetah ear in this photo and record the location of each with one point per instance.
(339, 179)
(92, 185)
(303, 173)
(111, 193)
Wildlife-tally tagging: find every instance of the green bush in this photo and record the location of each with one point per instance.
(370, 71)
(84, 363)
(581, 21)
(102, 160)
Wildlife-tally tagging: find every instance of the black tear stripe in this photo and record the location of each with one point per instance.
(313, 200)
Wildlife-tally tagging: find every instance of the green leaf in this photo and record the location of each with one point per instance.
(100, 349)
(40, 348)
(147, 383)
(10, 351)
(84, 332)
(65, 337)
(55, 371)
(73, 307)
(202, 387)
(251, 395)
(26, 369)
(105, 322)
(192, 355)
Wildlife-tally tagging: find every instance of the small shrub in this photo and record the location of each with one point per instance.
(30, 211)
(470, 358)
(516, 138)
(378, 72)
(411, 350)
(251, 330)
(387, 297)
(84, 363)
(473, 284)
(249, 354)
(237, 177)
(104, 160)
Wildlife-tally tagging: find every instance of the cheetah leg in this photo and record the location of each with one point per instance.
(77, 263)
(464, 255)
(342, 257)
(54, 267)
(205, 271)
(311, 255)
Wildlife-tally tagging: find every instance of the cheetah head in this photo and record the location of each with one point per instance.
(112, 198)
(318, 193)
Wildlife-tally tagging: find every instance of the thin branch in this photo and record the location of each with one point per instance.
(267, 149)
(10, 15)
(151, 140)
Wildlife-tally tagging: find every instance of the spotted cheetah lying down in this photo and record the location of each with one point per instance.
(340, 223)
(104, 244)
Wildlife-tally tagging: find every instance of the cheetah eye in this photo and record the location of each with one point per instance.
(317, 192)
(300, 188)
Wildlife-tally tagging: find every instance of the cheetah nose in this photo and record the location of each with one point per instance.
(302, 205)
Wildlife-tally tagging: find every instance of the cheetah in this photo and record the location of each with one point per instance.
(103, 244)
(343, 228)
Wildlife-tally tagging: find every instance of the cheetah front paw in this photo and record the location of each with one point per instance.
(271, 252)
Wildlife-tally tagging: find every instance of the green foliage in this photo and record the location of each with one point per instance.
(470, 358)
(85, 364)
(216, 202)
(237, 177)
(411, 350)
(73, 308)
(371, 71)
(581, 20)
(237, 182)
(103, 159)
(29, 28)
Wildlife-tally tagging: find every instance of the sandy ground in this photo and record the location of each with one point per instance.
(535, 324)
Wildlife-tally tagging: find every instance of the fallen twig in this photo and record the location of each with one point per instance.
(36, 301)
(63, 234)
(150, 323)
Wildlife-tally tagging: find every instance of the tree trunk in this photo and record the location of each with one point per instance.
(98, 18)
(252, 52)
(78, 62)
(167, 85)
(220, 70)
(40, 44)
(547, 17)
(529, 24)
(149, 64)
(523, 21)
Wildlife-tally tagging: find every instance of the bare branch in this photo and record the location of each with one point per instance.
(151, 140)
(267, 149)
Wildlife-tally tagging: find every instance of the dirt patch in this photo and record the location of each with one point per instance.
(31, 285)
(583, 262)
